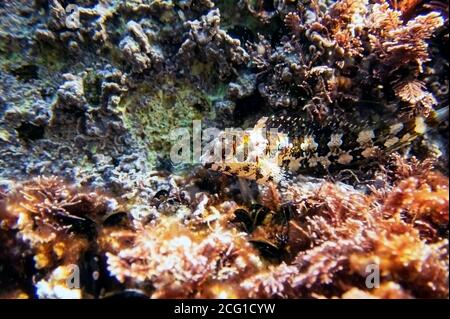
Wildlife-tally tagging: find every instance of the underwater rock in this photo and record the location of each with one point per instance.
(214, 45)
(91, 91)
(71, 93)
(137, 49)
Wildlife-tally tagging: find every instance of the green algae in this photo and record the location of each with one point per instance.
(151, 114)
(52, 59)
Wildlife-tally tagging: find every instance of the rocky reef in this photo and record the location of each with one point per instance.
(91, 92)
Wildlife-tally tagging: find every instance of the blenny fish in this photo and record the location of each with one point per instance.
(280, 146)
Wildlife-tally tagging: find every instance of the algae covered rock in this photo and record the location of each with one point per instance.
(227, 149)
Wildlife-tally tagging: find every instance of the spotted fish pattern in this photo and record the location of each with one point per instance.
(279, 146)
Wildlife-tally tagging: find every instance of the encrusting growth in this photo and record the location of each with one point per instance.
(328, 169)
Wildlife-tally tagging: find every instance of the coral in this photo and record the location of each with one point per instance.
(313, 68)
(402, 253)
(421, 198)
(396, 44)
(357, 230)
(177, 264)
(45, 211)
(388, 290)
(192, 244)
(137, 50)
(353, 180)
(213, 45)
(55, 286)
(346, 24)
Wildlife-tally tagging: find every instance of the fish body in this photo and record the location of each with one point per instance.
(279, 146)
